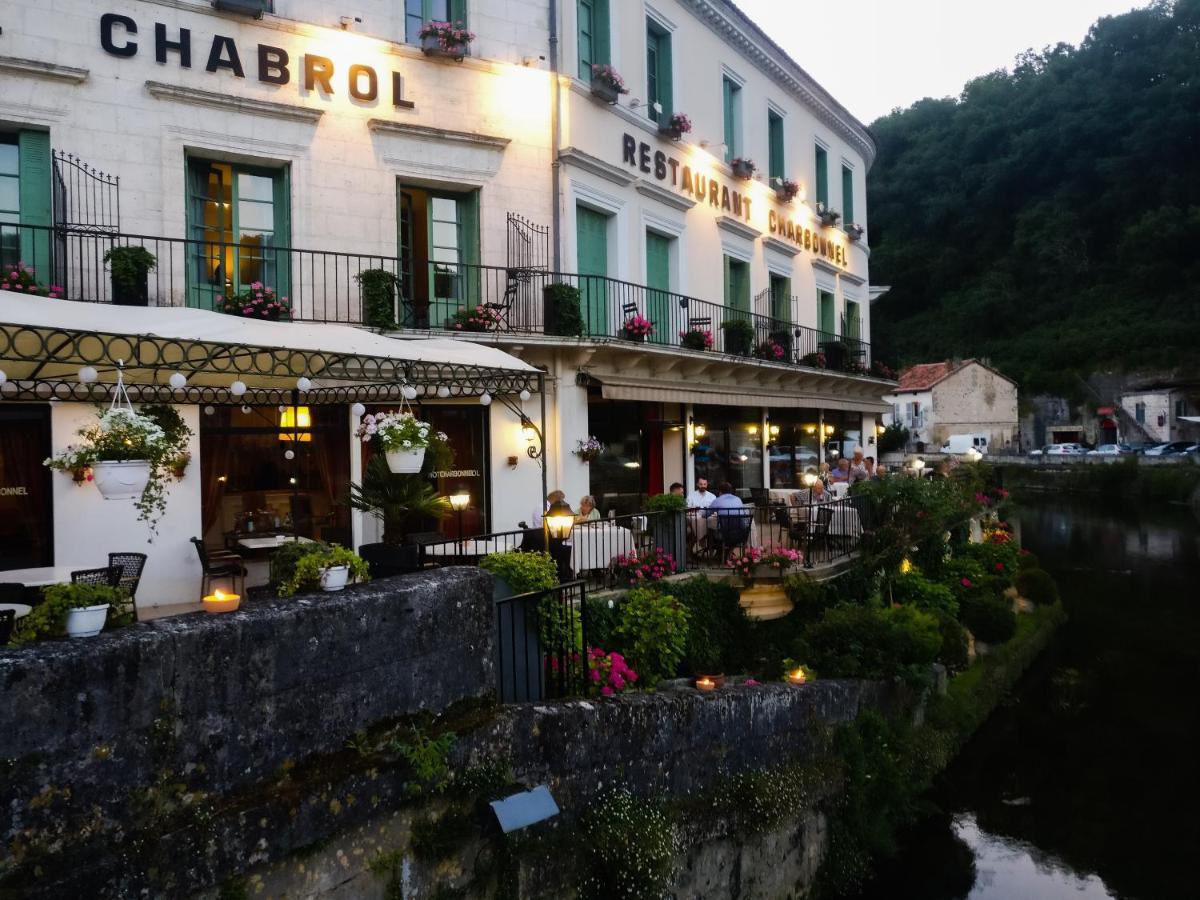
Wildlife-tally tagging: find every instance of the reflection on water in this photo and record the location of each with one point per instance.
(1084, 783)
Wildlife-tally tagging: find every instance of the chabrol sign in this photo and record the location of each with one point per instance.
(119, 36)
(705, 189)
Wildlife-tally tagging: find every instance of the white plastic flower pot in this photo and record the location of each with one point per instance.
(121, 480)
(86, 621)
(405, 462)
(334, 578)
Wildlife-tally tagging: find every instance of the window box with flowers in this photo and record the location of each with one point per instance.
(813, 360)
(450, 40)
(403, 438)
(637, 328)
(696, 338)
(786, 190)
(771, 350)
(675, 127)
(588, 450)
(477, 318)
(20, 277)
(827, 214)
(743, 168)
(607, 84)
(855, 231)
(258, 302)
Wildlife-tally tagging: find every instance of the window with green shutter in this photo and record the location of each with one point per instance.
(658, 72)
(826, 321)
(781, 299)
(737, 284)
(10, 199)
(593, 36)
(731, 104)
(822, 176)
(853, 328)
(418, 12)
(847, 195)
(775, 167)
(25, 199)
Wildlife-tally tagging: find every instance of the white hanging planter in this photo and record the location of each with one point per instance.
(121, 480)
(86, 621)
(334, 578)
(405, 462)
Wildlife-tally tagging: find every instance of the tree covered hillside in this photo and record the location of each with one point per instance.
(1049, 218)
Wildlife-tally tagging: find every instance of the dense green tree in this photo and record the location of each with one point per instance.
(1049, 217)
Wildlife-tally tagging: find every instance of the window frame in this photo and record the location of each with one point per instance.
(598, 37)
(731, 114)
(847, 195)
(456, 11)
(821, 180)
(776, 148)
(659, 86)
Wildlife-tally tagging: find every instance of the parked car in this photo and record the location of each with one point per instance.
(1065, 450)
(1173, 448)
(1039, 451)
(1111, 450)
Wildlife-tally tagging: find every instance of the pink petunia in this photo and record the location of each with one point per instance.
(606, 691)
(966, 582)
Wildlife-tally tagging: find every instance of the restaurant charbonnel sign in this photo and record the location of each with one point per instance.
(272, 65)
(706, 189)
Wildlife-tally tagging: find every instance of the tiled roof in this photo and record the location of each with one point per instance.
(926, 375)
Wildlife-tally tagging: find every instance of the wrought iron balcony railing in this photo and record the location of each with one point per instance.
(389, 292)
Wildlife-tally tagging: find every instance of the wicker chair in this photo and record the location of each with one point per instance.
(109, 576)
(131, 566)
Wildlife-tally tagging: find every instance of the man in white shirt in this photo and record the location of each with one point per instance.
(700, 498)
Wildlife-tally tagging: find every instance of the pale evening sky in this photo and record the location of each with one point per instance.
(874, 55)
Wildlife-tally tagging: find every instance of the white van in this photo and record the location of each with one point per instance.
(961, 443)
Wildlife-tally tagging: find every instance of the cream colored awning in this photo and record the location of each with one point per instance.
(718, 395)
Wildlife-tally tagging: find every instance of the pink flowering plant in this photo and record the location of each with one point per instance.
(815, 360)
(257, 302)
(452, 37)
(786, 189)
(20, 277)
(770, 350)
(637, 326)
(608, 673)
(398, 431)
(640, 568)
(588, 450)
(680, 122)
(747, 560)
(610, 76)
(477, 318)
(696, 338)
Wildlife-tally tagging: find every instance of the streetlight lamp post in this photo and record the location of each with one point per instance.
(559, 519)
(459, 502)
(809, 480)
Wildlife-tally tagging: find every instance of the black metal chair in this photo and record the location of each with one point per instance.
(733, 530)
(131, 566)
(108, 576)
(386, 560)
(219, 564)
(10, 592)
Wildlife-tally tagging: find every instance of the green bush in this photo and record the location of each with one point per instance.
(1038, 586)
(306, 572)
(630, 845)
(719, 634)
(49, 618)
(602, 618)
(914, 589)
(990, 619)
(653, 627)
(894, 437)
(524, 572)
(954, 652)
(861, 642)
(563, 315)
(739, 336)
(809, 598)
(989, 554)
(283, 561)
(378, 287)
(1026, 559)
(666, 503)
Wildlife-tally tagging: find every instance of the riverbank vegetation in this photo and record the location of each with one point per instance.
(1127, 479)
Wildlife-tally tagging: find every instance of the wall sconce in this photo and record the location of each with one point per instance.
(810, 429)
(829, 429)
(528, 435)
(701, 431)
(774, 431)
(753, 429)
(512, 462)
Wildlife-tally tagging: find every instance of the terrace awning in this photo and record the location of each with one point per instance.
(44, 343)
(663, 391)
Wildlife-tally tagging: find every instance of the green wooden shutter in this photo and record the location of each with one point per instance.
(281, 201)
(591, 240)
(585, 14)
(36, 202)
(781, 299)
(601, 45)
(825, 311)
(737, 285)
(458, 11)
(469, 229)
(822, 176)
(729, 89)
(658, 280)
(775, 142)
(665, 88)
(853, 321)
(847, 196)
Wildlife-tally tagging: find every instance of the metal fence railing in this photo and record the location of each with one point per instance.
(541, 644)
(394, 292)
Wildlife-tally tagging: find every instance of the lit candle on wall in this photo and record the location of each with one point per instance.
(220, 602)
(797, 676)
(705, 684)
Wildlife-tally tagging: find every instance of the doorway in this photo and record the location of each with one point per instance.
(26, 494)
(439, 255)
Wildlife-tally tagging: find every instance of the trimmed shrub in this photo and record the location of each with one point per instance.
(719, 634)
(953, 654)
(524, 572)
(858, 642)
(988, 554)
(914, 589)
(1038, 586)
(989, 618)
(810, 598)
(602, 617)
(653, 628)
(1027, 560)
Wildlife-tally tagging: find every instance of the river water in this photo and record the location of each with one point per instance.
(1083, 784)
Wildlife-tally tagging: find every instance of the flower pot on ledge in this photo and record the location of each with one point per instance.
(604, 91)
(743, 169)
(669, 131)
(432, 46)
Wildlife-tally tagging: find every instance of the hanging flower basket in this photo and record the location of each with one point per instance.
(121, 480)
(675, 127)
(588, 450)
(405, 462)
(786, 190)
(403, 438)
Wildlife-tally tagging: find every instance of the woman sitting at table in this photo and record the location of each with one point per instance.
(813, 495)
(587, 509)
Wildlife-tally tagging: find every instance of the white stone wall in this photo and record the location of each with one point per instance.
(974, 400)
(1160, 412)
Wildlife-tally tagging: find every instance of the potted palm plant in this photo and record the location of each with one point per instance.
(400, 502)
(130, 268)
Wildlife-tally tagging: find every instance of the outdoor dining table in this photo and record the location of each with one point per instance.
(470, 547)
(43, 575)
(597, 545)
(271, 542)
(21, 609)
(784, 495)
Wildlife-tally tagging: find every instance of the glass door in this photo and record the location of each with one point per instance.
(26, 504)
(439, 253)
(238, 221)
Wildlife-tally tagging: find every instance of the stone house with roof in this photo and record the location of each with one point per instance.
(936, 400)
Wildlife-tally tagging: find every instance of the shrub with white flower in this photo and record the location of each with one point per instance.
(398, 431)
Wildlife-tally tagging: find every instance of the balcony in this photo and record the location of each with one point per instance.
(389, 293)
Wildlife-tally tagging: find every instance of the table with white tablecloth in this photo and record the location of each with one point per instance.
(594, 546)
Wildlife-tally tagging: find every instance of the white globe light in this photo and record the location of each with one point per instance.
(282, 407)
(443, 392)
(485, 399)
(178, 381)
(237, 388)
(289, 454)
(525, 395)
(3, 376)
(358, 410)
(245, 410)
(88, 375)
(303, 383)
(209, 410)
(409, 392)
